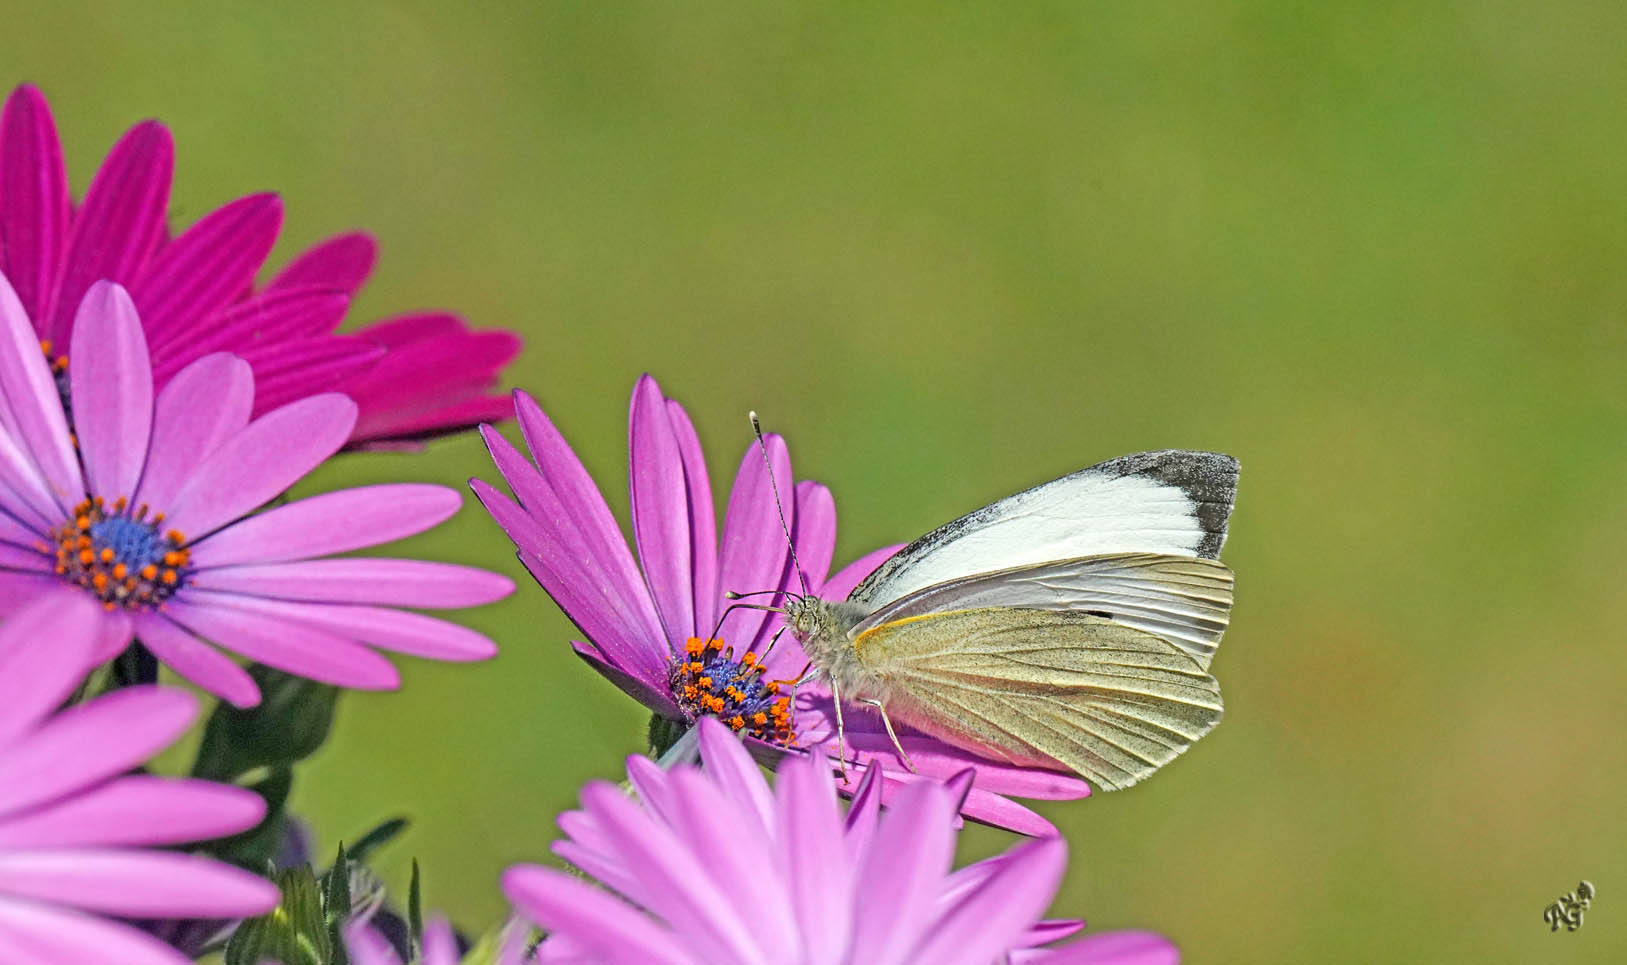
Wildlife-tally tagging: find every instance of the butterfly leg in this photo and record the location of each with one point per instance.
(841, 731)
(888, 723)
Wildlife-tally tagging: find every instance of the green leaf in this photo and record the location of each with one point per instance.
(259, 845)
(293, 933)
(336, 903)
(415, 916)
(291, 721)
(377, 838)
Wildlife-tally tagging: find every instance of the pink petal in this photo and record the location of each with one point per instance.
(271, 317)
(733, 769)
(120, 222)
(397, 630)
(35, 679)
(83, 745)
(357, 579)
(389, 430)
(22, 492)
(293, 369)
(136, 810)
(655, 698)
(137, 884)
(607, 928)
(850, 576)
(196, 660)
(113, 634)
(906, 864)
(342, 262)
(1115, 948)
(112, 390)
(288, 646)
(202, 407)
(702, 517)
(334, 522)
(660, 509)
(988, 922)
(754, 551)
(813, 855)
(33, 411)
(207, 267)
(272, 453)
(33, 199)
(814, 533)
(35, 934)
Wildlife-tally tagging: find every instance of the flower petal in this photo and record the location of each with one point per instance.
(902, 870)
(660, 510)
(359, 579)
(754, 554)
(35, 679)
(202, 407)
(814, 857)
(814, 534)
(111, 384)
(271, 316)
(120, 222)
(398, 630)
(33, 199)
(85, 744)
(702, 517)
(335, 522)
(1115, 948)
(288, 646)
(35, 934)
(207, 267)
(294, 368)
(729, 764)
(609, 929)
(272, 453)
(341, 262)
(32, 412)
(137, 883)
(850, 576)
(988, 922)
(136, 810)
(656, 699)
(196, 660)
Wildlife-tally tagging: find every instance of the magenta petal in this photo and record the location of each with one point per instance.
(207, 267)
(113, 633)
(754, 551)
(850, 576)
(387, 582)
(85, 744)
(987, 923)
(137, 884)
(334, 522)
(111, 384)
(272, 453)
(1115, 948)
(658, 700)
(33, 199)
(36, 934)
(398, 630)
(342, 262)
(660, 510)
(608, 929)
(295, 368)
(136, 810)
(814, 533)
(196, 660)
(33, 411)
(289, 646)
(734, 770)
(273, 316)
(35, 679)
(120, 222)
(202, 407)
(907, 860)
(23, 493)
(702, 521)
(812, 852)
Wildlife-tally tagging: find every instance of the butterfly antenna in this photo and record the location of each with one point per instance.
(757, 428)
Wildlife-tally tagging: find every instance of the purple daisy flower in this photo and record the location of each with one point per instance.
(79, 835)
(655, 631)
(823, 888)
(142, 502)
(368, 947)
(415, 376)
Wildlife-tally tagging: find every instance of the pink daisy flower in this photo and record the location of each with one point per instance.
(419, 375)
(654, 630)
(818, 887)
(79, 835)
(142, 502)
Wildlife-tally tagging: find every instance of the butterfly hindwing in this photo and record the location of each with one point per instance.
(1173, 502)
(1044, 688)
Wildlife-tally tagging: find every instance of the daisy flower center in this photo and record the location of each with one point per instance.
(708, 681)
(119, 555)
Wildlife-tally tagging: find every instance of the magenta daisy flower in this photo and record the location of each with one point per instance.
(416, 376)
(654, 630)
(822, 887)
(79, 835)
(142, 502)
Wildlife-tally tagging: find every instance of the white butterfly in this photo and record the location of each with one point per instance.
(1069, 626)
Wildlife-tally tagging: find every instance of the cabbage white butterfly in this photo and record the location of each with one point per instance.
(1069, 627)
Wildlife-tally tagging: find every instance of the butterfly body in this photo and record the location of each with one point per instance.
(1070, 626)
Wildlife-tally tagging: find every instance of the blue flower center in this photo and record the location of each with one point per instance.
(707, 680)
(121, 555)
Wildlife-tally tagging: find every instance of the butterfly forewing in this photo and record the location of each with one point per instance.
(1173, 502)
(1186, 600)
(1046, 688)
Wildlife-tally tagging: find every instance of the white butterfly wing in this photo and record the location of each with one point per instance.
(1174, 502)
(1185, 600)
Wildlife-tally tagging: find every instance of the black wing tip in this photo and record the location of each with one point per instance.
(1209, 479)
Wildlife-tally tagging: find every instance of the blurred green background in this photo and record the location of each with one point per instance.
(1376, 251)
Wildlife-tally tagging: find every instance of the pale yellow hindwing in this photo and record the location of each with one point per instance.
(1046, 688)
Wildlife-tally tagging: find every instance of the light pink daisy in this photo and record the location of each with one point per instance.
(654, 630)
(713, 866)
(143, 503)
(415, 376)
(79, 835)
